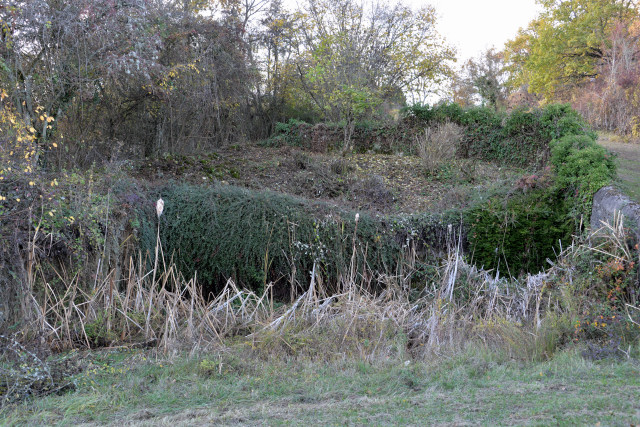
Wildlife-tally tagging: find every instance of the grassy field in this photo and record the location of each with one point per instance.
(628, 162)
(135, 388)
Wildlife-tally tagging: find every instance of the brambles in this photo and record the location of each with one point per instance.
(600, 291)
(372, 193)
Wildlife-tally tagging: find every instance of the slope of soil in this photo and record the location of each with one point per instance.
(376, 182)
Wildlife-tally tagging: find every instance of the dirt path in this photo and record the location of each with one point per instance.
(628, 163)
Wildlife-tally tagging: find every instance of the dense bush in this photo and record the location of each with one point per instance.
(519, 138)
(582, 168)
(257, 237)
(521, 230)
(518, 233)
(287, 134)
(58, 229)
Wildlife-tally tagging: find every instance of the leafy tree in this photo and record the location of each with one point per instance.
(147, 77)
(482, 78)
(564, 46)
(355, 56)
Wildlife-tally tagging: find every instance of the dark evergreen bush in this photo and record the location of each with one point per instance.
(582, 168)
(521, 230)
(224, 232)
(518, 233)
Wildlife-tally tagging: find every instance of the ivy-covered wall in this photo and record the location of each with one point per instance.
(520, 137)
(256, 237)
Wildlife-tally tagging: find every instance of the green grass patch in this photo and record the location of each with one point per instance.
(628, 156)
(629, 177)
(475, 387)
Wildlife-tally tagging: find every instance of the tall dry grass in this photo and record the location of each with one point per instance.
(438, 145)
(168, 311)
(460, 305)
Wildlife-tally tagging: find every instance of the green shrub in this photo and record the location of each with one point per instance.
(519, 138)
(518, 233)
(258, 237)
(98, 333)
(287, 134)
(558, 120)
(483, 134)
(582, 168)
(521, 231)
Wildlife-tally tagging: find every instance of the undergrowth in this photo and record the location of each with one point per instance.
(587, 299)
(256, 238)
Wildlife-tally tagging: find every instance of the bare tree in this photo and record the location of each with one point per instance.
(483, 80)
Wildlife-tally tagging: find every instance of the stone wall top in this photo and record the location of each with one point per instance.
(609, 200)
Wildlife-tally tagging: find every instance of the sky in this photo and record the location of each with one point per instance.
(473, 26)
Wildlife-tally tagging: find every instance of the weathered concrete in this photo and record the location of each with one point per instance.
(609, 200)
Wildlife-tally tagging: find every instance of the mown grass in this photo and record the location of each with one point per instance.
(628, 152)
(476, 387)
(629, 174)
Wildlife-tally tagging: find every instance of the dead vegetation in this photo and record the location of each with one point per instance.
(384, 183)
(159, 307)
(527, 319)
(438, 145)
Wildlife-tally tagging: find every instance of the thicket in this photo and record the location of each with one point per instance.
(255, 238)
(520, 231)
(62, 228)
(520, 137)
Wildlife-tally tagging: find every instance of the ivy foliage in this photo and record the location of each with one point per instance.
(519, 138)
(519, 233)
(521, 230)
(515, 231)
(582, 166)
(254, 237)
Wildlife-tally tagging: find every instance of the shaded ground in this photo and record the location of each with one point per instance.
(135, 388)
(376, 182)
(628, 162)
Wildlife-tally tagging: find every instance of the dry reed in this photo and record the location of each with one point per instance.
(162, 308)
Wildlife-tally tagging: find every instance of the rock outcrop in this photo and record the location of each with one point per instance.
(607, 201)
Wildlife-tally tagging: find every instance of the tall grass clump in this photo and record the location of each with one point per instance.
(438, 145)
